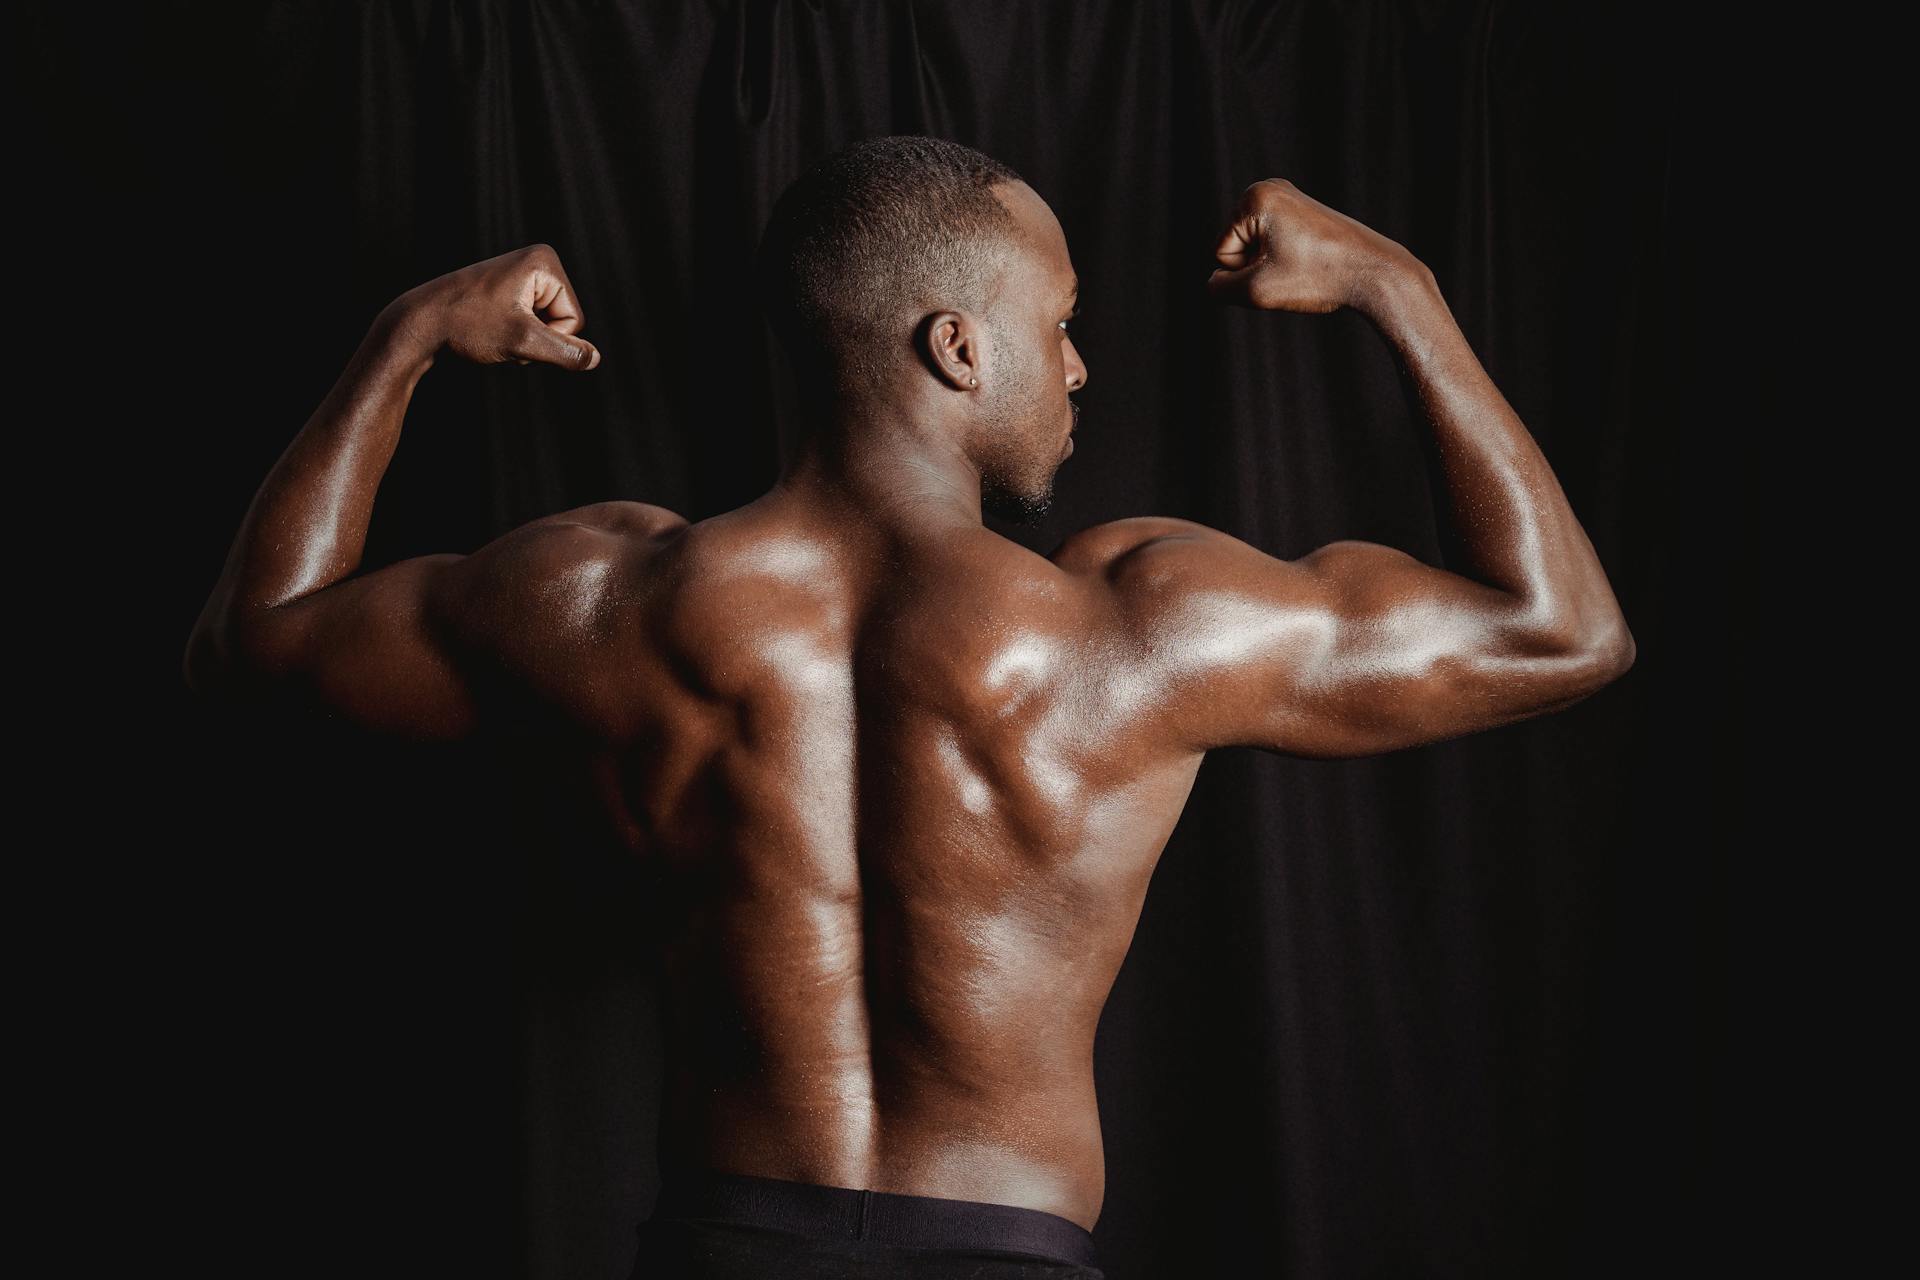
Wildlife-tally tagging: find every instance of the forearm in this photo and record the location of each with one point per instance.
(1507, 506)
(307, 525)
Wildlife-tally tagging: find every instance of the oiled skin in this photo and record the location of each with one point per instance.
(905, 780)
(913, 817)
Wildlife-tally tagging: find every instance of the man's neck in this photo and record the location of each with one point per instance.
(893, 471)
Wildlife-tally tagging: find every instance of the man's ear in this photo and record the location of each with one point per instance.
(951, 345)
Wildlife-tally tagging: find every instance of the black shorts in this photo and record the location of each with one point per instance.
(728, 1226)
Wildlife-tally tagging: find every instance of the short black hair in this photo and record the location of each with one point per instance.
(880, 227)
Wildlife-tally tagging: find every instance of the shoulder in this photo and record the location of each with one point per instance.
(618, 537)
(558, 570)
(640, 519)
(1154, 553)
(1158, 573)
(557, 609)
(1143, 572)
(1103, 547)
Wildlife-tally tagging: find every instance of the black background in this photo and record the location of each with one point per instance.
(1456, 1011)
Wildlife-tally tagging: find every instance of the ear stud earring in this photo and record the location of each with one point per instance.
(973, 382)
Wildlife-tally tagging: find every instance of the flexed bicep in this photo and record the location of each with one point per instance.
(443, 647)
(1352, 650)
(365, 650)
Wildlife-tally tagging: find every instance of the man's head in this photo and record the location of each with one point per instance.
(916, 271)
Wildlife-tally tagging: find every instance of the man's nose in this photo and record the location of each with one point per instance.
(1076, 369)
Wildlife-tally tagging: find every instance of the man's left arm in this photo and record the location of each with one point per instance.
(405, 649)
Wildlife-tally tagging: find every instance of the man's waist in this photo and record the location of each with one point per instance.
(879, 1216)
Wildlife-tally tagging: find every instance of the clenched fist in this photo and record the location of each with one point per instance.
(518, 306)
(1285, 251)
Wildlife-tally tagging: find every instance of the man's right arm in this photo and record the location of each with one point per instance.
(1359, 648)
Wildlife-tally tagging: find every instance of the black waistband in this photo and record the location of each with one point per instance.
(881, 1216)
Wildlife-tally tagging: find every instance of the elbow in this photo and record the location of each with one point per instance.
(1624, 652)
(205, 651)
(1572, 668)
(223, 652)
(1614, 649)
(1605, 657)
(1594, 652)
(200, 663)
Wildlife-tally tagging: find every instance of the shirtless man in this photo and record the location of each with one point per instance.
(904, 781)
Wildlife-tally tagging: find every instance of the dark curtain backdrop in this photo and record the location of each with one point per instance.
(1451, 1012)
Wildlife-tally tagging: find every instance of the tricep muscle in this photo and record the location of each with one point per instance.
(1351, 650)
(430, 648)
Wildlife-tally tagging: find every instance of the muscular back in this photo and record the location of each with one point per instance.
(906, 818)
(904, 790)
(903, 781)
